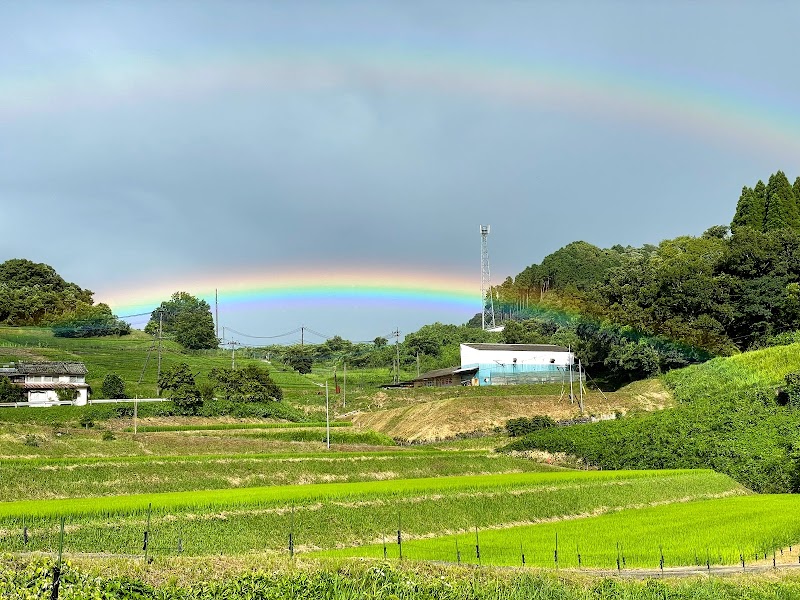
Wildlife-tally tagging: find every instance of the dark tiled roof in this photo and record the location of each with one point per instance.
(519, 347)
(52, 368)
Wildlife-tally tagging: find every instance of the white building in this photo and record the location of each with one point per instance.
(42, 380)
(505, 364)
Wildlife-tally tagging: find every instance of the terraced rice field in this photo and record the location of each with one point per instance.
(719, 531)
(327, 516)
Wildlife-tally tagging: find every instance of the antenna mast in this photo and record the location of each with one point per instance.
(487, 304)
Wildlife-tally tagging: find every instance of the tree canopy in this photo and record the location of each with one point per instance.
(187, 319)
(252, 384)
(34, 294)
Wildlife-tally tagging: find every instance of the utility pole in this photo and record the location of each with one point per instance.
(417, 364)
(216, 310)
(487, 308)
(233, 344)
(160, 331)
(396, 334)
(571, 393)
(344, 385)
(580, 385)
(302, 332)
(327, 417)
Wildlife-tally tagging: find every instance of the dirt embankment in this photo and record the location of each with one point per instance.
(447, 417)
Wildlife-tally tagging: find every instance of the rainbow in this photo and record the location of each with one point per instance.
(377, 288)
(716, 115)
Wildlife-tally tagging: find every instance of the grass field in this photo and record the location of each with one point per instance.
(746, 372)
(220, 497)
(260, 578)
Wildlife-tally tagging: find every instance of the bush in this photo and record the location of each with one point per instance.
(113, 386)
(524, 426)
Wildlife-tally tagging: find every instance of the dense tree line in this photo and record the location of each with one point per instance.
(728, 290)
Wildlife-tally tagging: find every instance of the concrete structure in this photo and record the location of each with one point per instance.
(507, 364)
(41, 381)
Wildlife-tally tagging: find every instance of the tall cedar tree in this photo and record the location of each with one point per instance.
(759, 205)
(781, 206)
(746, 210)
(796, 190)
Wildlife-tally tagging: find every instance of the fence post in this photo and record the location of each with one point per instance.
(555, 552)
(661, 561)
(477, 546)
(619, 567)
(458, 553)
(147, 532)
(399, 536)
(578, 552)
(57, 568)
(291, 533)
(384, 546)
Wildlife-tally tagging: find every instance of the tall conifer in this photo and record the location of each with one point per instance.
(796, 190)
(759, 205)
(745, 209)
(781, 207)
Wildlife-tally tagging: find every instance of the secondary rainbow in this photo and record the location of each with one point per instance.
(715, 115)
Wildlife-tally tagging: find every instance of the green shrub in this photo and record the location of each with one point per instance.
(113, 386)
(524, 425)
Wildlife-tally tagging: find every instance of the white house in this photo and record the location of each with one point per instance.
(42, 380)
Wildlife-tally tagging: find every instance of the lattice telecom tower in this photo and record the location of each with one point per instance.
(487, 316)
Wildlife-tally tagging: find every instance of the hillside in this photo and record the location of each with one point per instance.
(448, 412)
(127, 356)
(728, 418)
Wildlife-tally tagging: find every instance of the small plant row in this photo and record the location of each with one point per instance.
(34, 478)
(234, 426)
(335, 515)
(720, 531)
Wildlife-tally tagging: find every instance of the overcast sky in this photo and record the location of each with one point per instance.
(185, 141)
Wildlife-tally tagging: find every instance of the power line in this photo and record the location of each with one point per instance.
(263, 337)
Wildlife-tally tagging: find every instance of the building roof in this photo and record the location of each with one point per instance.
(519, 347)
(445, 372)
(51, 368)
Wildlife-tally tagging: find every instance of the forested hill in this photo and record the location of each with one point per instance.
(727, 290)
(34, 294)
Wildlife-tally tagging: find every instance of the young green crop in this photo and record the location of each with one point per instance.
(65, 478)
(237, 426)
(330, 515)
(719, 531)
